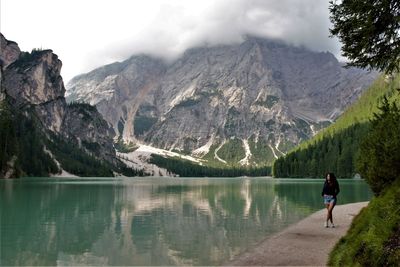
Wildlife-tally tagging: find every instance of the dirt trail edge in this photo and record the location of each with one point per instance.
(306, 243)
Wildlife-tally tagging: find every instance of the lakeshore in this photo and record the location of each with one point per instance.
(306, 243)
(136, 222)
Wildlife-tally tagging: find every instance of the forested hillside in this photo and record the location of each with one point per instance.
(334, 153)
(28, 150)
(336, 148)
(186, 168)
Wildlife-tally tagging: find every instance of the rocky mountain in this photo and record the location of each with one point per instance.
(9, 52)
(39, 129)
(230, 104)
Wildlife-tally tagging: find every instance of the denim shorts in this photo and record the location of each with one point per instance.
(329, 199)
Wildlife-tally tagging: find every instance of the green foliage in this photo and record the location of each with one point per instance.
(121, 123)
(91, 146)
(373, 238)
(286, 145)
(261, 152)
(285, 127)
(123, 147)
(362, 110)
(379, 160)
(269, 102)
(32, 158)
(182, 152)
(209, 157)
(121, 169)
(82, 107)
(302, 125)
(26, 58)
(185, 168)
(232, 122)
(187, 103)
(8, 139)
(129, 172)
(321, 125)
(232, 151)
(269, 124)
(345, 127)
(336, 153)
(369, 32)
(28, 143)
(302, 129)
(74, 160)
(21, 138)
(188, 143)
(142, 124)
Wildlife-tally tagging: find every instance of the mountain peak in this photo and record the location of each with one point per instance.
(9, 51)
(261, 97)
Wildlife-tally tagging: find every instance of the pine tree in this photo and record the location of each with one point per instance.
(379, 158)
(369, 32)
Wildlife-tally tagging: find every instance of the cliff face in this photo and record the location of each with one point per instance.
(34, 79)
(97, 135)
(32, 86)
(257, 99)
(9, 52)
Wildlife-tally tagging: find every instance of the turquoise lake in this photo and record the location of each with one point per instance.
(151, 221)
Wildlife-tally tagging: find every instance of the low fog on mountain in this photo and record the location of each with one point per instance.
(199, 133)
(114, 32)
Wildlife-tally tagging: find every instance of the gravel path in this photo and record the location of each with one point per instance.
(306, 243)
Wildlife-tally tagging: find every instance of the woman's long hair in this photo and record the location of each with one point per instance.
(332, 176)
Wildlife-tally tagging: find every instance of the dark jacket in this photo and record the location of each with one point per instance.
(332, 190)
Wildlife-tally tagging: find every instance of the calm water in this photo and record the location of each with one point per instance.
(150, 221)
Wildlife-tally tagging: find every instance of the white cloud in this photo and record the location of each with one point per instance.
(89, 33)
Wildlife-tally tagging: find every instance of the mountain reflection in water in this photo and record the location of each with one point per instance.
(150, 221)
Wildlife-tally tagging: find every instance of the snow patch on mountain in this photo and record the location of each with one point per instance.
(277, 145)
(140, 160)
(216, 153)
(166, 153)
(203, 150)
(273, 150)
(246, 159)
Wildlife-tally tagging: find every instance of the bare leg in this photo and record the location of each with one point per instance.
(327, 214)
(330, 209)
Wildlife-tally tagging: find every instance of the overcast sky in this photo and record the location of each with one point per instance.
(89, 33)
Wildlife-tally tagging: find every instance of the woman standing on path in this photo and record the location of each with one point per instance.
(329, 192)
